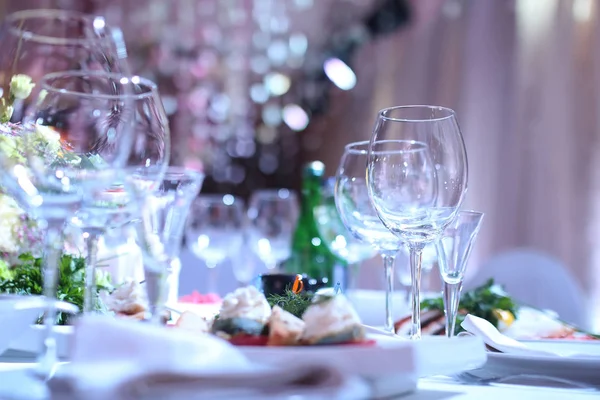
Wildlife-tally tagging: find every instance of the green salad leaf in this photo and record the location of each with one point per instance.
(481, 302)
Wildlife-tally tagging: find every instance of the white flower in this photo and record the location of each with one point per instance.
(21, 86)
(10, 215)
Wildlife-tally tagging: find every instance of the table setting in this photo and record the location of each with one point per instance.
(86, 168)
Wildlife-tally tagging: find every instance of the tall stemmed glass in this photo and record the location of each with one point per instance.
(360, 218)
(338, 239)
(163, 200)
(39, 42)
(272, 216)
(70, 142)
(455, 248)
(417, 179)
(215, 231)
(112, 208)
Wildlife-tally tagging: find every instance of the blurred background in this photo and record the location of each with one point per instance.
(255, 88)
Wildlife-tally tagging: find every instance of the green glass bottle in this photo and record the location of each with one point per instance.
(310, 256)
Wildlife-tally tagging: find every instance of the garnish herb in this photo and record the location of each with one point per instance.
(480, 302)
(293, 303)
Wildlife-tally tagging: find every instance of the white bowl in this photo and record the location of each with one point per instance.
(18, 313)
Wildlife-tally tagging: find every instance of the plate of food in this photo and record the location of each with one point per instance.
(490, 302)
(325, 328)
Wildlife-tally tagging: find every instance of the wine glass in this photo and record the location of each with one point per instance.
(455, 248)
(417, 179)
(69, 146)
(337, 238)
(38, 42)
(163, 199)
(215, 230)
(272, 216)
(112, 208)
(359, 216)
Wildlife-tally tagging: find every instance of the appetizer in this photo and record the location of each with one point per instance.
(246, 318)
(194, 323)
(285, 329)
(332, 320)
(243, 312)
(490, 302)
(128, 300)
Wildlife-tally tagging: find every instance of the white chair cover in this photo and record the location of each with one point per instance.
(536, 279)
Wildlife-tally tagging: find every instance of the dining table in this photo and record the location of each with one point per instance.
(16, 383)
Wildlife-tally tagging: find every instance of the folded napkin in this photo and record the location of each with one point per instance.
(122, 360)
(493, 338)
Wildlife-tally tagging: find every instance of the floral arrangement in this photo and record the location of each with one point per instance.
(18, 232)
(20, 236)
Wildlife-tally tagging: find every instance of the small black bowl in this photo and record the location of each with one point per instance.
(278, 284)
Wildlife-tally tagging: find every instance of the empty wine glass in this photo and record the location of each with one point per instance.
(164, 199)
(272, 216)
(417, 178)
(455, 248)
(337, 238)
(151, 150)
(215, 231)
(359, 216)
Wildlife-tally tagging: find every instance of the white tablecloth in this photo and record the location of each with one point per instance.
(13, 378)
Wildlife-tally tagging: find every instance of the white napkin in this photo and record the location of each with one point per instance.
(493, 338)
(116, 359)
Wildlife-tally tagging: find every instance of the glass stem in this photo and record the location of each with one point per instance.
(416, 251)
(451, 301)
(89, 300)
(212, 279)
(388, 268)
(53, 246)
(155, 287)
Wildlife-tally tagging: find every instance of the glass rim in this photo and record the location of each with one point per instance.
(178, 171)
(161, 170)
(149, 87)
(471, 212)
(16, 16)
(450, 113)
(350, 147)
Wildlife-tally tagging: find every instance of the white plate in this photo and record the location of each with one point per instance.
(392, 365)
(583, 367)
(30, 341)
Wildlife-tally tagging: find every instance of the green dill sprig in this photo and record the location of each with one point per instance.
(291, 302)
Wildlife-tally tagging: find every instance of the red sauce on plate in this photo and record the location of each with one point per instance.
(248, 340)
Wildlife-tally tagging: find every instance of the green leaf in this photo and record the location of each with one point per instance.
(481, 302)
(27, 278)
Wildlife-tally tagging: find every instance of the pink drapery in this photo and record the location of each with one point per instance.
(524, 78)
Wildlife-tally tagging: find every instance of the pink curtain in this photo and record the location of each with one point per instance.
(524, 78)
